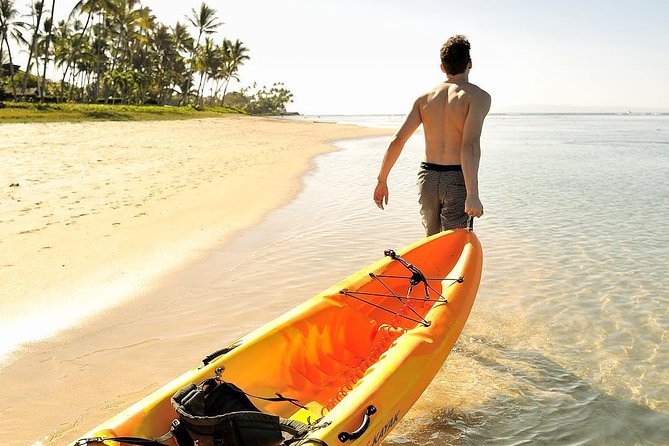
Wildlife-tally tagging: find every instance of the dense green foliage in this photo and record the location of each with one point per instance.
(261, 101)
(116, 51)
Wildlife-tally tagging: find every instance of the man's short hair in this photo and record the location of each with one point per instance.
(455, 54)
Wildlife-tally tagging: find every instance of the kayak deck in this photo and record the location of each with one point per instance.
(327, 347)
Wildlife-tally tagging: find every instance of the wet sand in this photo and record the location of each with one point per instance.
(104, 228)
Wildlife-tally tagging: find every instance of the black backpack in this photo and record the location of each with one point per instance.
(219, 413)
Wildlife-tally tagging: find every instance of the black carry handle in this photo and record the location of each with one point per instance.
(366, 419)
(470, 223)
(416, 274)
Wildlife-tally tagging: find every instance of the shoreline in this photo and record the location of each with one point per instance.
(140, 263)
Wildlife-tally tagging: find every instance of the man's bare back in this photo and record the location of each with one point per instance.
(443, 112)
(452, 115)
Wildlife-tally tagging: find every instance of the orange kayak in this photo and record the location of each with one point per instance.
(346, 365)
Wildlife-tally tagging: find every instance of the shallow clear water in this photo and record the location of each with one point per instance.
(568, 340)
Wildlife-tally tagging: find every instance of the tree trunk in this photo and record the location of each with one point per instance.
(199, 97)
(215, 91)
(73, 55)
(37, 68)
(11, 64)
(225, 89)
(2, 40)
(190, 69)
(72, 81)
(32, 48)
(46, 50)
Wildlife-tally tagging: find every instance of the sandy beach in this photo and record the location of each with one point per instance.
(97, 220)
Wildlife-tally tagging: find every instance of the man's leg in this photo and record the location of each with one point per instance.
(453, 194)
(428, 197)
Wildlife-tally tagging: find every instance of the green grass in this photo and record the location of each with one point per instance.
(71, 112)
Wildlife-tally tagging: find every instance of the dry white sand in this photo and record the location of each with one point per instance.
(95, 214)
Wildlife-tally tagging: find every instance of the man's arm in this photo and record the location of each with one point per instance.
(410, 124)
(470, 152)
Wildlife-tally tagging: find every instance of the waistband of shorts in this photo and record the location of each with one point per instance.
(441, 167)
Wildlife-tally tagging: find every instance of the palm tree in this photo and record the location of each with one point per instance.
(117, 47)
(165, 54)
(37, 11)
(182, 39)
(124, 18)
(184, 47)
(62, 44)
(4, 9)
(208, 62)
(89, 7)
(206, 22)
(4, 6)
(10, 26)
(234, 56)
(49, 30)
(66, 35)
(97, 54)
(144, 57)
(79, 7)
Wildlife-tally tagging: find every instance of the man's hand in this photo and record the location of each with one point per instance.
(473, 206)
(381, 194)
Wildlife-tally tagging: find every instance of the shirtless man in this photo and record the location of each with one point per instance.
(452, 115)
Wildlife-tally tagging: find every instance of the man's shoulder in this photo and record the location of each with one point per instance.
(424, 96)
(480, 99)
(433, 93)
(479, 92)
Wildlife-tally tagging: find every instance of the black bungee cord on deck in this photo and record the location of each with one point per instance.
(381, 345)
(417, 277)
(421, 321)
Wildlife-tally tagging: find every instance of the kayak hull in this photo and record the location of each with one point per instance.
(357, 356)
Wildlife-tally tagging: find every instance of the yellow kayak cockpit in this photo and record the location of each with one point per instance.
(373, 341)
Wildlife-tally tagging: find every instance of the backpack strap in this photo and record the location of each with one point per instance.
(293, 427)
(136, 441)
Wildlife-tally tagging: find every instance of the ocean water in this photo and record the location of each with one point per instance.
(568, 342)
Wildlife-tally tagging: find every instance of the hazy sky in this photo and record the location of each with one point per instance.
(364, 56)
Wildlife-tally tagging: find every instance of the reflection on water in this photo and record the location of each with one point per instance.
(567, 343)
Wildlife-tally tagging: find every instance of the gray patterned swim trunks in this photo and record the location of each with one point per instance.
(441, 194)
